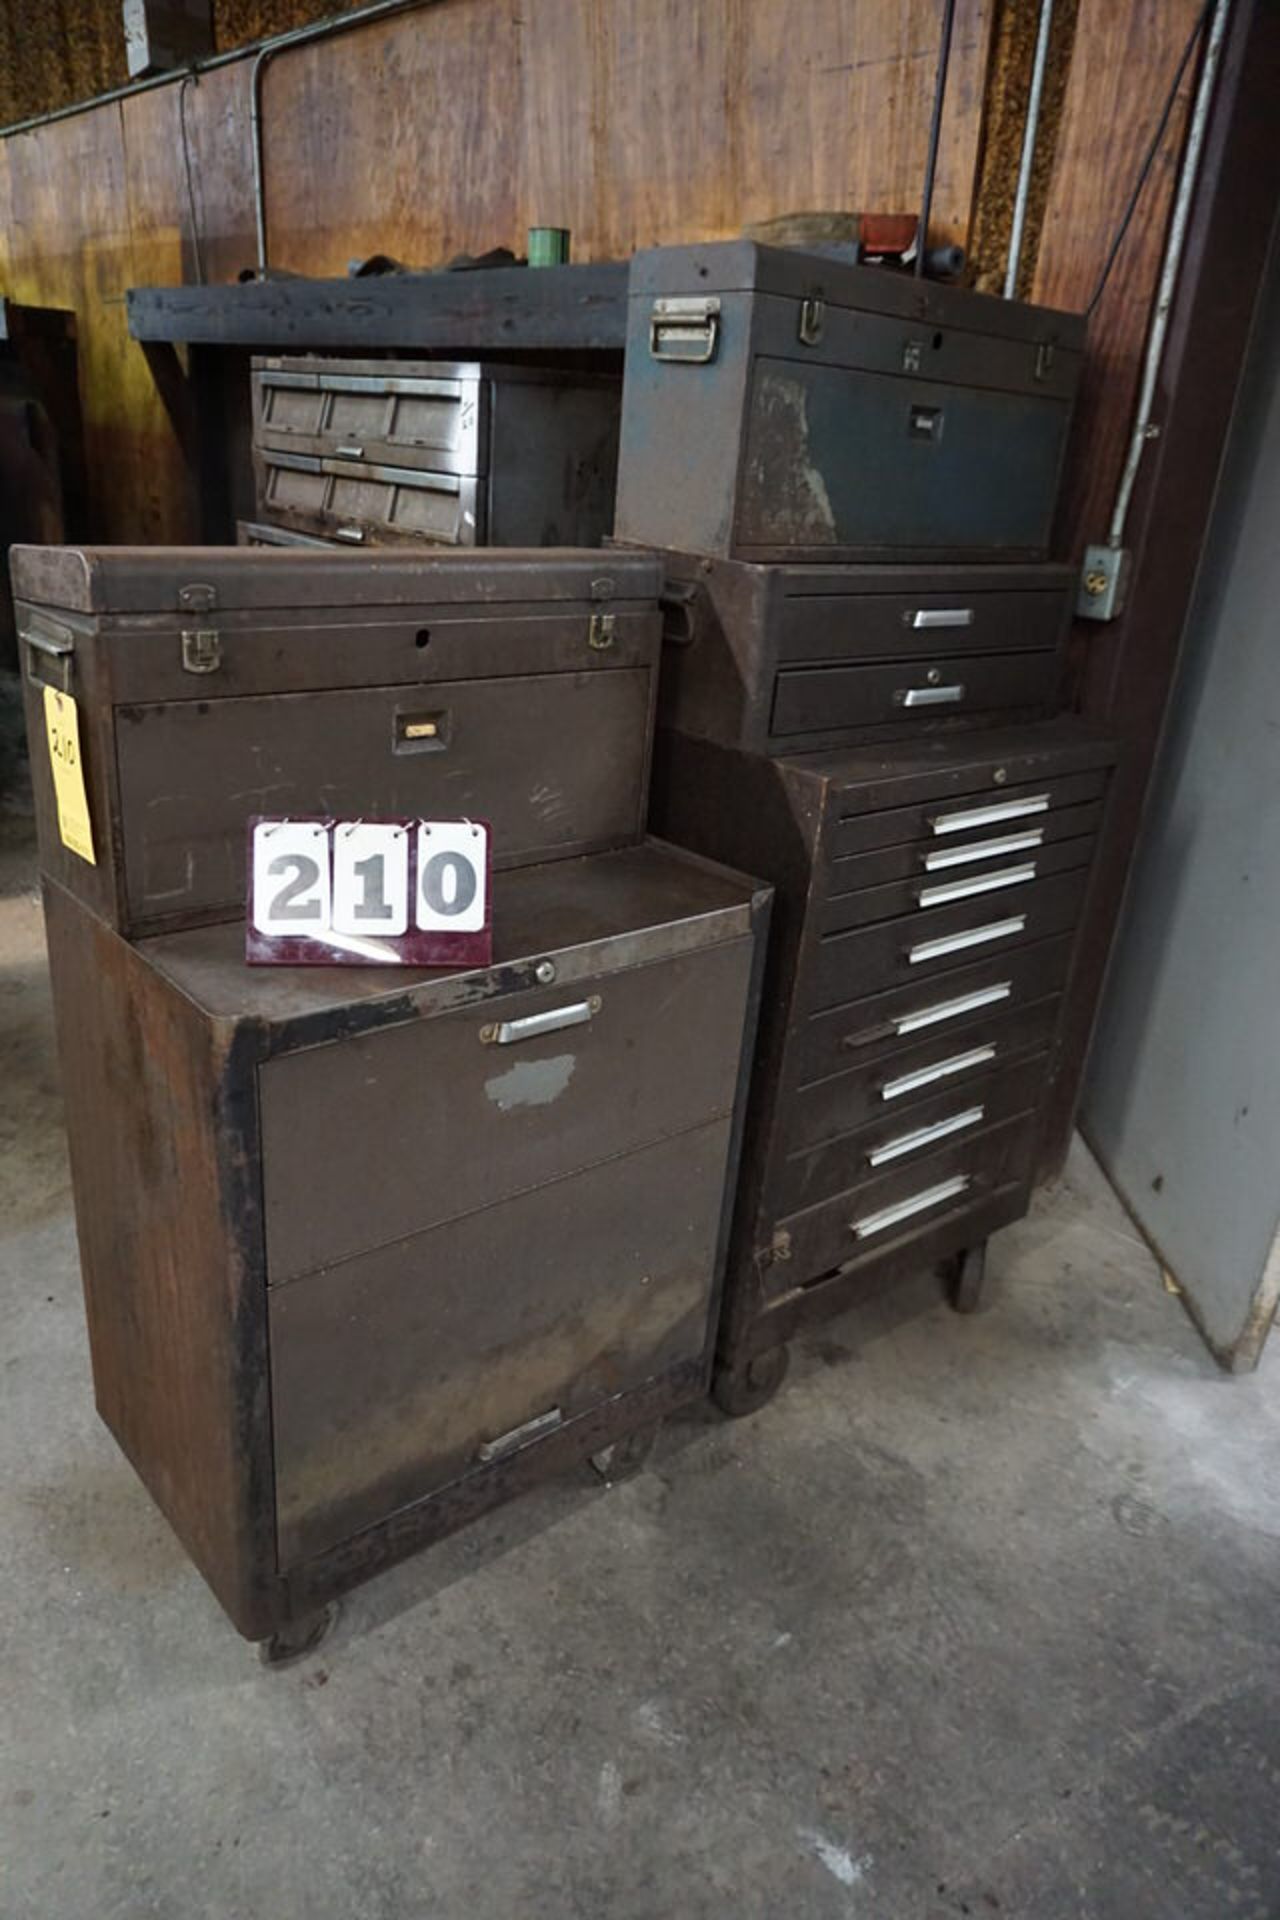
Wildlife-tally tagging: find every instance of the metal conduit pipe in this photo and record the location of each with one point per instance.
(1029, 133)
(1144, 428)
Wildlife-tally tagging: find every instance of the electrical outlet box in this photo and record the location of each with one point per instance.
(1104, 578)
(160, 34)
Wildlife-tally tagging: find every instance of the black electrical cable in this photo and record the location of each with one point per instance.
(190, 79)
(935, 129)
(1152, 150)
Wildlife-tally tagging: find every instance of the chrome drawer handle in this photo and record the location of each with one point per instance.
(952, 1009)
(930, 696)
(924, 1136)
(685, 328)
(351, 453)
(505, 1443)
(942, 617)
(505, 1033)
(918, 1203)
(925, 1076)
(987, 816)
(983, 849)
(973, 937)
(354, 534)
(946, 890)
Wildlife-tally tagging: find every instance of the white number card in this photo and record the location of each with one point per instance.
(368, 892)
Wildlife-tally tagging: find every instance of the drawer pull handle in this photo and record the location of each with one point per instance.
(983, 849)
(971, 937)
(945, 890)
(930, 696)
(925, 1076)
(924, 1136)
(988, 816)
(505, 1033)
(918, 1203)
(952, 1009)
(505, 1443)
(351, 453)
(354, 534)
(942, 617)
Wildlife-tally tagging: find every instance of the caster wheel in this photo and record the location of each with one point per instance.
(623, 1458)
(967, 1274)
(297, 1638)
(746, 1388)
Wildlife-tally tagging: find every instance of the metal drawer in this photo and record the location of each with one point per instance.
(995, 878)
(958, 817)
(963, 1002)
(905, 626)
(424, 1122)
(951, 1113)
(384, 417)
(874, 1215)
(257, 533)
(398, 1372)
(962, 853)
(890, 1083)
(361, 503)
(819, 699)
(922, 945)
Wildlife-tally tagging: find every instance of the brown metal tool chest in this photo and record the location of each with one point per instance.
(458, 454)
(784, 406)
(218, 683)
(928, 897)
(781, 659)
(365, 1255)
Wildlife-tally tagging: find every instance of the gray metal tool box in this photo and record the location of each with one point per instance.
(451, 453)
(216, 683)
(784, 406)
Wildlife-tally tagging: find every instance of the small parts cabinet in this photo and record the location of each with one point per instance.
(363, 1255)
(928, 900)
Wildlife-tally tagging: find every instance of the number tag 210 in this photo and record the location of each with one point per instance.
(353, 893)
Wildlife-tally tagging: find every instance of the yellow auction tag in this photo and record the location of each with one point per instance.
(62, 724)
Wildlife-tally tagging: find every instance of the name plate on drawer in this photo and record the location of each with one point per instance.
(360, 893)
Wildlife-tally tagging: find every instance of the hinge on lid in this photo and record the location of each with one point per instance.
(201, 646)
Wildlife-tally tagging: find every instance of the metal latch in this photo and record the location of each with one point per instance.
(813, 317)
(1046, 353)
(685, 327)
(201, 646)
(600, 631)
(778, 1249)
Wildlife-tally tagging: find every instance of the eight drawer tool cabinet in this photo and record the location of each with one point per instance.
(366, 1251)
(927, 903)
(457, 454)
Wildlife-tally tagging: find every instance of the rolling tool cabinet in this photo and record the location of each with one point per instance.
(787, 659)
(456, 454)
(215, 683)
(928, 897)
(784, 406)
(365, 1254)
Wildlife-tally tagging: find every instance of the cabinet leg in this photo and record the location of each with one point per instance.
(751, 1384)
(623, 1458)
(297, 1637)
(967, 1275)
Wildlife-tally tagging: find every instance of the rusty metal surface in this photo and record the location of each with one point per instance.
(391, 1371)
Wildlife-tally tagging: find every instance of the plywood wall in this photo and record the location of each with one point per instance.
(629, 121)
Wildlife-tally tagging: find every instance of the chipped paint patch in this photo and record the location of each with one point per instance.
(531, 1083)
(838, 1861)
(609, 1794)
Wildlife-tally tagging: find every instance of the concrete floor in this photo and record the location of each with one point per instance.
(977, 1618)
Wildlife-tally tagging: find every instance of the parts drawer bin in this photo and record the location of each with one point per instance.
(364, 1256)
(784, 406)
(216, 683)
(928, 897)
(787, 659)
(455, 454)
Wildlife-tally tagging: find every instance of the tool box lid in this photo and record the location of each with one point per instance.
(142, 580)
(743, 266)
